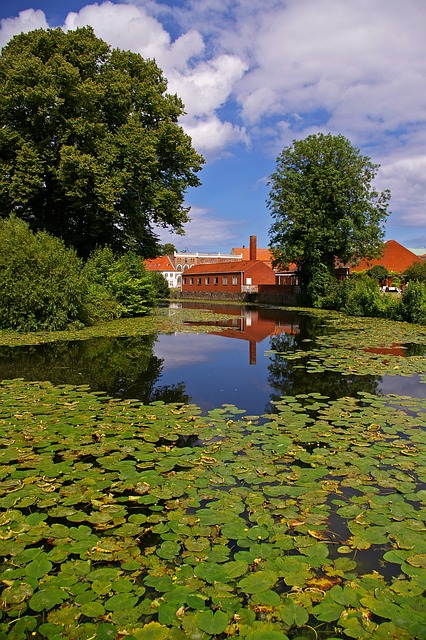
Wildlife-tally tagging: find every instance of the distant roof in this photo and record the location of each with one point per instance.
(162, 263)
(395, 258)
(261, 254)
(223, 267)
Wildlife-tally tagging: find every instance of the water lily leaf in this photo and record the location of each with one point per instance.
(213, 623)
(47, 598)
(293, 613)
(258, 581)
(381, 607)
(417, 560)
(267, 635)
(120, 602)
(269, 598)
(168, 550)
(93, 609)
(211, 572)
(346, 596)
(38, 567)
(328, 610)
(16, 593)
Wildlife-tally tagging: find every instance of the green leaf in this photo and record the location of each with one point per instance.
(47, 598)
(258, 581)
(121, 602)
(213, 623)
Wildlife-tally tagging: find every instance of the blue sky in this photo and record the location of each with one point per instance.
(257, 74)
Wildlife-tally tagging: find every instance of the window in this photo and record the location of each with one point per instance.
(234, 280)
(199, 282)
(225, 280)
(207, 280)
(184, 280)
(215, 280)
(191, 280)
(179, 267)
(186, 267)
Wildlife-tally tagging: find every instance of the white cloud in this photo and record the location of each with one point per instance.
(406, 178)
(211, 136)
(27, 20)
(203, 232)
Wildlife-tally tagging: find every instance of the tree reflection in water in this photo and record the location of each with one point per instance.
(121, 367)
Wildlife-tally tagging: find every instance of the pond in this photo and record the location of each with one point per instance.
(261, 479)
(241, 361)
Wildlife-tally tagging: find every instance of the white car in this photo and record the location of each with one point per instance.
(393, 290)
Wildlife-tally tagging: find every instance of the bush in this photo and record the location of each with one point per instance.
(361, 296)
(414, 303)
(160, 284)
(119, 286)
(41, 282)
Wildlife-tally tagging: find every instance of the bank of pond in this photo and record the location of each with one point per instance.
(132, 508)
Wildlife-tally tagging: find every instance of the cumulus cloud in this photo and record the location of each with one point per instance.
(27, 20)
(205, 231)
(264, 72)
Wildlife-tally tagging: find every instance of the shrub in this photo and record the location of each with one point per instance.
(119, 281)
(41, 282)
(361, 296)
(160, 284)
(414, 303)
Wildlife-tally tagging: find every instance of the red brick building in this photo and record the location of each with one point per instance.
(226, 280)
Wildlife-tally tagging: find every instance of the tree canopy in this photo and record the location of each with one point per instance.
(90, 145)
(324, 208)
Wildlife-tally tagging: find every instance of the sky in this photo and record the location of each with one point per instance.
(254, 76)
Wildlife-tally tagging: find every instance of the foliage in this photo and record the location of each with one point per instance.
(112, 523)
(324, 207)
(90, 146)
(119, 284)
(417, 271)
(160, 284)
(414, 302)
(168, 249)
(41, 282)
(360, 296)
(378, 272)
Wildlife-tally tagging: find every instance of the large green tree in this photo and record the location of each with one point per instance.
(325, 209)
(90, 145)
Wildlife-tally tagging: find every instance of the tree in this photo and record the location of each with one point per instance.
(90, 146)
(168, 249)
(417, 272)
(324, 208)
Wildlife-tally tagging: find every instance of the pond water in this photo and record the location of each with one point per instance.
(232, 365)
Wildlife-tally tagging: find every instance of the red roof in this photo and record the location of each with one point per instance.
(162, 263)
(395, 259)
(261, 254)
(222, 267)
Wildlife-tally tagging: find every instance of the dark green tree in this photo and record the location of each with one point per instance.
(417, 272)
(90, 145)
(168, 249)
(324, 208)
(378, 272)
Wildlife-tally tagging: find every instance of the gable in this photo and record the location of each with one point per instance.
(395, 259)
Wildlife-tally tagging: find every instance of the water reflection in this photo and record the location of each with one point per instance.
(232, 365)
(122, 367)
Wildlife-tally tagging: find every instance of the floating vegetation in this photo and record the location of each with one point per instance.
(160, 320)
(148, 522)
(364, 346)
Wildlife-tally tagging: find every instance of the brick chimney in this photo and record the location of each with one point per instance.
(253, 248)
